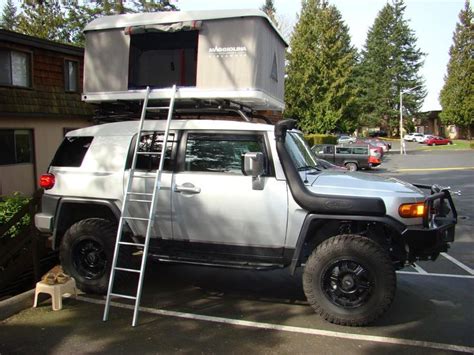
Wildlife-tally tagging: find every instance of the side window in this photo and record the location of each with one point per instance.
(220, 153)
(329, 149)
(72, 151)
(359, 150)
(152, 143)
(343, 150)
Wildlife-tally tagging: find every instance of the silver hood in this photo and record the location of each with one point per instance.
(360, 184)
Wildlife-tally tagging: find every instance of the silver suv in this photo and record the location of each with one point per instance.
(243, 195)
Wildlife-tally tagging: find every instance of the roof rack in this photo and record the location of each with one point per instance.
(190, 108)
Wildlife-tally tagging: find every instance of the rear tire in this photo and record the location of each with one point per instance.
(349, 280)
(86, 253)
(351, 166)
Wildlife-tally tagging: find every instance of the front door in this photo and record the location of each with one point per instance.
(215, 204)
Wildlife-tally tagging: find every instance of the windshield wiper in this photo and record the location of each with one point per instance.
(308, 167)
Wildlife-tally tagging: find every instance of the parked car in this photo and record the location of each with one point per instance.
(346, 139)
(438, 141)
(421, 139)
(425, 138)
(380, 133)
(353, 157)
(411, 137)
(372, 144)
(240, 195)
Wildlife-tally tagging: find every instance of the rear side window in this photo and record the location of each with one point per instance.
(359, 150)
(149, 151)
(71, 152)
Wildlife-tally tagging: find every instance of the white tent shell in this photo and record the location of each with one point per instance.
(236, 55)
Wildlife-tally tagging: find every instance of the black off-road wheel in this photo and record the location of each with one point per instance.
(86, 253)
(349, 280)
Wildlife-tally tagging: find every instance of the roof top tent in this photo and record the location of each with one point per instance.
(233, 55)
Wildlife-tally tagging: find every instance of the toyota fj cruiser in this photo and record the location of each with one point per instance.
(243, 195)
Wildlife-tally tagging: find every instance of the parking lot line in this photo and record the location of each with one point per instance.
(291, 329)
(419, 269)
(437, 169)
(458, 263)
(453, 276)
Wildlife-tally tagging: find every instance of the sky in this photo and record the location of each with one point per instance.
(433, 22)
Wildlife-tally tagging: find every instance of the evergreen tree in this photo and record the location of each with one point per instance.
(9, 20)
(43, 19)
(270, 11)
(78, 16)
(320, 90)
(457, 95)
(390, 64)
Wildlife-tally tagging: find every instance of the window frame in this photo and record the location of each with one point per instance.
(29, 69)
(66, 75)
(174, 143)
(181, 158)
(31, 143)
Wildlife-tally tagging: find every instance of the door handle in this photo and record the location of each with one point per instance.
(187, 188)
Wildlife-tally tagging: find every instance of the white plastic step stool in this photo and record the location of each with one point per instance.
(56, 291)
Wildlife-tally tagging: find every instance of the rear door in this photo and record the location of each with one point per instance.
(215, 205)
(148, 160)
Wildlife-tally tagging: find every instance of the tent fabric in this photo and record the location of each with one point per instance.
(173, 27)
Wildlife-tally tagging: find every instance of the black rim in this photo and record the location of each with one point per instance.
(89, 259)
(347, 283)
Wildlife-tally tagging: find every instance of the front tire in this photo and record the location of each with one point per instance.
(349, 280)
(86, 253)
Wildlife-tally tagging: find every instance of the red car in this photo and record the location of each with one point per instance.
(438, 141)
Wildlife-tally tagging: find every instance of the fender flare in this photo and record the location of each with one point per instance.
(321, 218)
(74, 200)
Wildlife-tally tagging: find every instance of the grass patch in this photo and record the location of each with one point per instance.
(458, 144)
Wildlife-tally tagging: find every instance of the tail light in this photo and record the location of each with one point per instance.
(374, 160)
(47, 181)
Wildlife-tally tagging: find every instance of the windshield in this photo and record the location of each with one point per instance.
(301, 155)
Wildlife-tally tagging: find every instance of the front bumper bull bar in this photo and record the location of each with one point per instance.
(438, 229)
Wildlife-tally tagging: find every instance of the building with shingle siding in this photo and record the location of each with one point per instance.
(40, 100)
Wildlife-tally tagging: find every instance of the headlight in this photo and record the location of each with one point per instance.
(412, 210)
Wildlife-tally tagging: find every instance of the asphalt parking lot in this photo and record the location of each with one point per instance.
(187, 309)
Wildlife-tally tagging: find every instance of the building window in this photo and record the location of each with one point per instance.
(71, 75)
(16, 146)
(15, 68)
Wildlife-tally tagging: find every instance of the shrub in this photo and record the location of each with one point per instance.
(9, 206)
(313, 139)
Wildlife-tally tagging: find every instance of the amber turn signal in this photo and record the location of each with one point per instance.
(411, 210)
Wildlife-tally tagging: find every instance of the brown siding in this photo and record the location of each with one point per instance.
(47, 95)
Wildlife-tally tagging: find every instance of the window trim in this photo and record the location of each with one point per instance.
(30, 68)
(66, 75)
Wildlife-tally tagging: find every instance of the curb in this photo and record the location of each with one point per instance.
(16, 304)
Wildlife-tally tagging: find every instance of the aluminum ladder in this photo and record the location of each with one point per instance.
(131, 196)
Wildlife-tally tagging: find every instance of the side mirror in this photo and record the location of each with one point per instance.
(253, 164)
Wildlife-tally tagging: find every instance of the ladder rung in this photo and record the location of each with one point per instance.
(133, 200)
(134, 244)
(139, 193)
(127, 270)
(123, 296)
(149, 153)
(151, 108)
(137, 218)
(143, 177)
